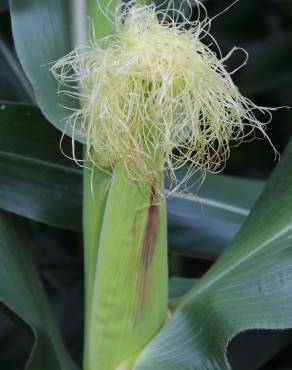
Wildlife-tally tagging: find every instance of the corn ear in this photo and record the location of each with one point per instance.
(129, 301)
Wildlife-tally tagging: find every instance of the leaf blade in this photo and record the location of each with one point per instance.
(49, 44)
(249, 287)
(21, 291)
(37, 181)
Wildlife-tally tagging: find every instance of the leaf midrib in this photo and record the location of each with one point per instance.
(199, 291)
(41, 162)
(216, 204)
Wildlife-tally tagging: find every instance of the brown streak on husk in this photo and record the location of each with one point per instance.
(147, 252)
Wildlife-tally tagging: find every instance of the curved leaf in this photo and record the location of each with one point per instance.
(202, 225)
(178, 287)
(43, 33)
(14, 84)
(21, 291)
(36, 180)
(249, 287)
(272, 70)
(3, 4)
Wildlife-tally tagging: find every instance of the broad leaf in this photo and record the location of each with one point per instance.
(3, 4)
(14, 85)
(249, 287)
(202, 225)
(178, 287)
(270, 71)
(261, 345)
(37, 181)
(21, 292)
(43, 33)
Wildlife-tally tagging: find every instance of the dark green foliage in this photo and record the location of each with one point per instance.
(43, 187)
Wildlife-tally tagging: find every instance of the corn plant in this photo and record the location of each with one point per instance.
(147, 110)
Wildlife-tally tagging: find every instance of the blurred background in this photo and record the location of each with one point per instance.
(264, 29)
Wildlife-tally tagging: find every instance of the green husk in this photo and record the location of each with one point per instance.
(129, 301)
(125, 256)
(95, 185)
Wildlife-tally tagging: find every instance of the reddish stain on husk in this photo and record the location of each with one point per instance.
(147, 252)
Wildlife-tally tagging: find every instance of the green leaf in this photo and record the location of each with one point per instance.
(3, 4)
(249, 287)
(202, 225)
(270, 71)
(14, 84)
(261, 345)
(43, 33)
(178, 287)
(38, 182)
(21, 292)
(95, 192)
(130, 282)
(94, 203)
(101, 25)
